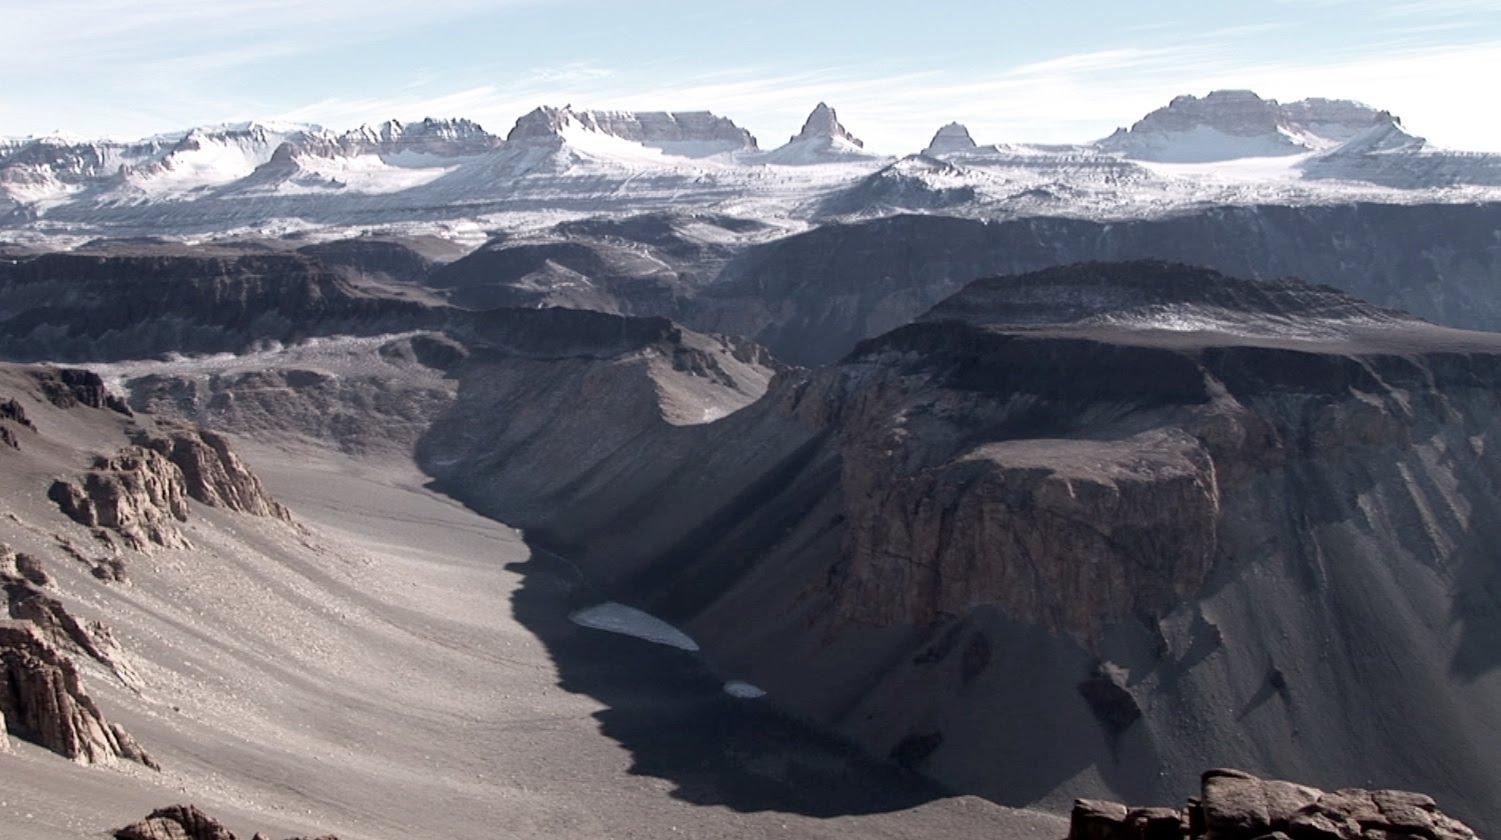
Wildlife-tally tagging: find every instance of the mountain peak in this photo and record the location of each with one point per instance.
(1228, 124)
(824, 122)
(542, 124)
(953, 137)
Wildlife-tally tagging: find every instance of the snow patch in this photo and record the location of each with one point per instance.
(629, 621)
(743, 690)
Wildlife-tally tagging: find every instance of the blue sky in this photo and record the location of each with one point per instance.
(1012, 71)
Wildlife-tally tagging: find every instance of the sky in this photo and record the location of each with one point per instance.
(895, 71)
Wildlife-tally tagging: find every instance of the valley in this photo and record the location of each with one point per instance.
(622, 478)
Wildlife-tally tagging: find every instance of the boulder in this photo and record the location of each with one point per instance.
(1096, 820)
(1239, 806)
(177, 822)
(186, 822)
(1156, 824)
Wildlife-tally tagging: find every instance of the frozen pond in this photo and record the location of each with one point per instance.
(629, 621)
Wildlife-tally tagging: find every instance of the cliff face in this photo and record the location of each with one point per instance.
(812, 297)
(1242, 522)
(97, 306)
(554, 399)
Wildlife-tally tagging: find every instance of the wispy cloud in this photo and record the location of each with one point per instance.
(164, 63)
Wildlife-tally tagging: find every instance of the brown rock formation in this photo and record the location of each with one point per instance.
(65, 631)
(213, 473)
(70, 387)
(15, 413)
(43, 701)
(11, 412)
(185, 822)
(136, 494)
(19, 567)
(1239, 806)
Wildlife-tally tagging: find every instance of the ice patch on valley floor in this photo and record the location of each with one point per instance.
(743, 690)
(629, 621)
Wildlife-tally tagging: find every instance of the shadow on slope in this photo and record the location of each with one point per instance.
(671, 711)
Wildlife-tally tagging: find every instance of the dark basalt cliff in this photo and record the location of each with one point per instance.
(812, 297)
(131, 305)
(1079, 556)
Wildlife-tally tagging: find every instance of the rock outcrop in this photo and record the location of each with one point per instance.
(138, 495)
(185, 822)
(199, 302)
(13, 416)
(1239, 806)
(69, 387)
(212, 473)
(142, 492)
(66, 632)
(44, 701)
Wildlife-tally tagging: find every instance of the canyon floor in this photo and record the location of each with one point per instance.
(394, 665)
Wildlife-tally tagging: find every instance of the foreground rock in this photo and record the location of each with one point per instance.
(1239, 806)
(43, 701)
(185, 822)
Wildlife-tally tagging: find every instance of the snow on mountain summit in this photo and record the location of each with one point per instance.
(1231, 124)
(684, 134)
(953, 138)
(824, 122)
(823, 140)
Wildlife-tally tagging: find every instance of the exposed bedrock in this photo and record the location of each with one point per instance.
(142, 492)
(69, 387)
(43, 701)
(1234, 805)
(212, 473)
(90, 306)
(1074, 558)
(184, 822)
(137, 494)
(812, 297)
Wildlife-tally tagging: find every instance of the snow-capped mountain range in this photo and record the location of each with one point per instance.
(1229, 147)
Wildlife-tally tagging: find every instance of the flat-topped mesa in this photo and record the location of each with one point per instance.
(443, 138)
(691, 133)
(953, 138)
(824, 122)
(1229, 124)
(1152, 294)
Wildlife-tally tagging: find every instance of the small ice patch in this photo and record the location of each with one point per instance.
(743, 690)
(629, 621)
